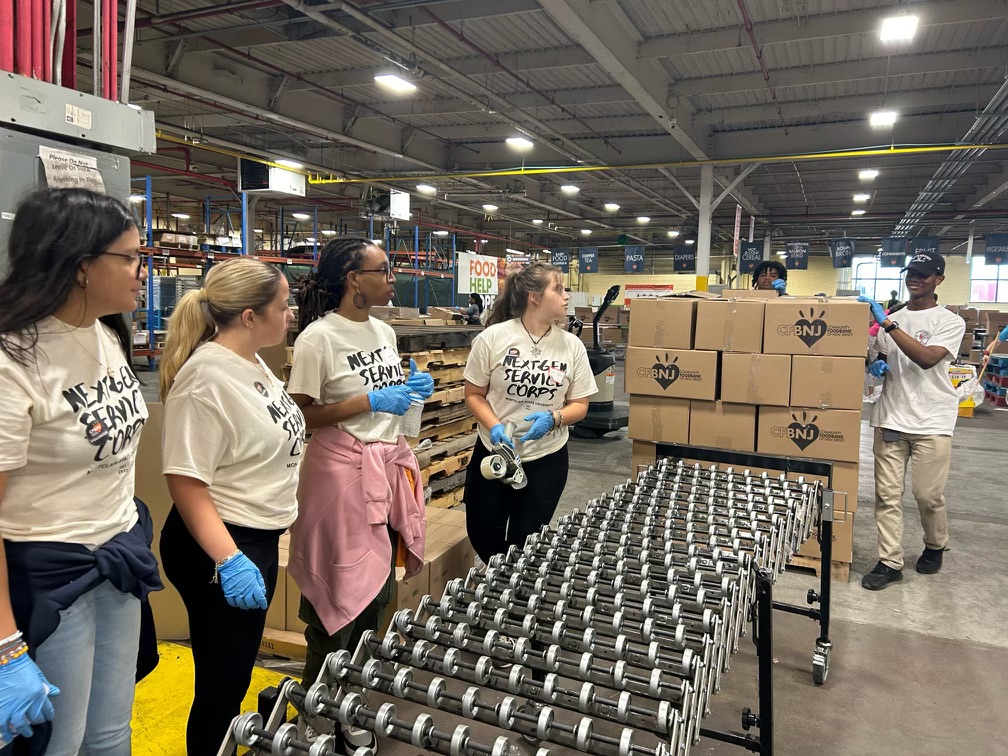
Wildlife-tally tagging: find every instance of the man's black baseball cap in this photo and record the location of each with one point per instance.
(926, 264)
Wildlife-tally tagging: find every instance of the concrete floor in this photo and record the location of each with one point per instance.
(919, 668)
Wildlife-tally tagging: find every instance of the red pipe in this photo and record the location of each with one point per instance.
(106, 47)
(114, 51)
(36, 39)
(46, 51)
(211, 12)
(23, 36)
(747, 22)
(6, 35)
(70, 46)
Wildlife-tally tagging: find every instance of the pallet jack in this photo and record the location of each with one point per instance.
(603, 414)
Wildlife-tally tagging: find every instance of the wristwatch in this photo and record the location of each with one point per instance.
(891, 327)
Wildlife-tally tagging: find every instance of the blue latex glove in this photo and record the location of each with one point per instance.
(878, 311)
(1003, 336)
(24, 697)
(394, 400)
(498, 435)
(780, 285)
(419, 382)
(242, 583)
(542, 423)
(878, 368)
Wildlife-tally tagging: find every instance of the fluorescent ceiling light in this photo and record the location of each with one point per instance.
(882, 118)
(257, 231)
(328, 232)
(310, 240)
(691, 241)
(857, 212)
(300, 216)
(862, 197)
(643, 219)
(484, 241)
(535, 221)
(868, 174)
(898, 28)
(672, 233)
(289, 163)
(490, 208)
(570, 189)
(546, 251)
(519, 143)
(395, 83)
(425, 189)
(137, 198)
(513, 251)
(585, 232)
(782, 255)
(441, 232)
(180, 216)
(378, 242)
(611, 207)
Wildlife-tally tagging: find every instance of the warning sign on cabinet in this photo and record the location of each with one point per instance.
(67, 169)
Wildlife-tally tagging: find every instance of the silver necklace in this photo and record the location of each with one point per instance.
(101, 350)
(536, 351)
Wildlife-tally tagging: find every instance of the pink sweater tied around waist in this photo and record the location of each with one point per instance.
(349, 493)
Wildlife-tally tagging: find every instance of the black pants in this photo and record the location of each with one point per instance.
(225, 640)
(320, 644)
(498, 516)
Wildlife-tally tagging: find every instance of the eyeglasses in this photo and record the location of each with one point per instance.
(385, 270)
(138, 259)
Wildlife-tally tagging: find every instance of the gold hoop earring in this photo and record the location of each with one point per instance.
(359, 301)
(85, 284)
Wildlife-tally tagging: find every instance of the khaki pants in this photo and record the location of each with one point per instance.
(931, 457)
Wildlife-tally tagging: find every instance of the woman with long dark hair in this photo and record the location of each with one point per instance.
(525, 370)
(473, 310)
(77, 561)
(360, 488)
(232, 444)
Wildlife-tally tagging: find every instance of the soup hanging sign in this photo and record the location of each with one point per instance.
(476, 274)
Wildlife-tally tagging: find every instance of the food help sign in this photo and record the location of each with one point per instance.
(477, 274)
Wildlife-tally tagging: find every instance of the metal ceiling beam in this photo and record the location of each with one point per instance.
(843, 107)
(497, 131)
(463, 10)
(871, 68)
(932, 14)
(995, 186)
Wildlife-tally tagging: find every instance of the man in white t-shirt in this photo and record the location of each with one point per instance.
(914, 418)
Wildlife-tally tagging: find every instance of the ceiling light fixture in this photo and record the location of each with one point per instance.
(537, 221)
(857, 212)
(586, 232)
(425, 189)
(490, 208)
(691, 241)
(898, 28)
(300, 216)
(180, 216)
(643, 219)
(395, 83)
(257, 231)
(328, 232)
(862, 197)
(519, 143)
(868, 174)
(672, 233)
(484, 241)
(882, 118)
(310, 240)
(546, 251)
(287, 163)
(137, 198)
(570, 189)
(440, 232)
(611, 207)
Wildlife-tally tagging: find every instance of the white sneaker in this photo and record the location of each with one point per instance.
(357, 738)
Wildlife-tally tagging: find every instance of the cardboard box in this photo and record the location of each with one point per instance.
(658, 419)
(833, 327)
(827, 382)
(827, 434)
(612, 334)
(623, 316)
(680, 374)
(276, 614)
(410, 590)
(723, 426)
(610, 317)
(584, 314)
(665, 323)
(642, 455)
(730, 325)
(843, 542)
(293, 604)
(756, 378)
(751, 293)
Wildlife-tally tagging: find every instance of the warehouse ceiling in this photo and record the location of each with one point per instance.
(592, 84)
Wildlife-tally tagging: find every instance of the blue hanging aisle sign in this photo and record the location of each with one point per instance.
(588, 260)
(633, 259)
(996, 249)
(750, 255)
(684, 258)
(842, 252)
(561, 259)
(797, 255)
(928, 244)
(894, 252)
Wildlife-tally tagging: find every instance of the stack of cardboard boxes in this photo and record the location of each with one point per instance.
(612, 327)
(778, 376)
(992, 322)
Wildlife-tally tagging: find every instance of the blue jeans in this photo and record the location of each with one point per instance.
(91, 658)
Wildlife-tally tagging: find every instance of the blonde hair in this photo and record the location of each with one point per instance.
(520, 284)
(231, 288)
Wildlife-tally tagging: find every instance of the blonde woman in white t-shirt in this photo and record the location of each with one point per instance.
(70, 420)
(231, 449)
(523, 369)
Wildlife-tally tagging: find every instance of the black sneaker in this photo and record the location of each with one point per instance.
(880, 577)
(930, 561)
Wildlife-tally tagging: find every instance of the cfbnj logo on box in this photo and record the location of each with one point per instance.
(666, 373)
(813, 327)
(803, 433)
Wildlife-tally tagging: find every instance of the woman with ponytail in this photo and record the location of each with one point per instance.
(230, 452)
(525, 370)
(360, 485)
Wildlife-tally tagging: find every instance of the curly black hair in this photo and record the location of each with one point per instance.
(771, 264)
(323, 290)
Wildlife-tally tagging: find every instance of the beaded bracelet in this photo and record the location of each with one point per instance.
(10, 656)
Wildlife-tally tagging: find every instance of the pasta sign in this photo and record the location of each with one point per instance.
(477, 274)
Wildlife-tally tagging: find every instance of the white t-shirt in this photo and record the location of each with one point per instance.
(915, 400)
(231, 425)
(69, 429)
(336, 359)
(521, 382)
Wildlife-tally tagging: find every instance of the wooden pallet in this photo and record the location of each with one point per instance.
(449, 483)
(839, 571)
(438, 357)
(424, 338)
(452, 394)
(445, 375)
(438, 432)
(447, 500)
(441, 414)
(449, 465)
(447, 447)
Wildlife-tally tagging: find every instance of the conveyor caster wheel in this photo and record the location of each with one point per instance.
(820, 662)
(493, 467)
